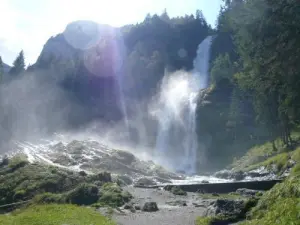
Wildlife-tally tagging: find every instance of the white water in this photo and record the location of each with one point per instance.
(178, 98)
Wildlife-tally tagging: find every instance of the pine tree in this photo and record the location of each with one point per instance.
(18, 64)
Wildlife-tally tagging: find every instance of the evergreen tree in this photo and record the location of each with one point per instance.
(18, 64)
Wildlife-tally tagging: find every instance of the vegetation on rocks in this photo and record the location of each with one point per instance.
(177, 191)
(23, 181)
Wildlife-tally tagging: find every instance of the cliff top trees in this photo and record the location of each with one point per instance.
(18, 65)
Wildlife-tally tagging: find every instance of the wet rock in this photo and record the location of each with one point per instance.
(82, 173)
(223, 174)
(144, 181)
(233, 209)
(75, 147)
(137, 207)
(178, 191)
(177, 203)
(150, 207)
(238, 175)
(229, 174)
(197, 205)
(162, 180)
(248, 192)
(123, 180)
(128, 206)
(63, 159)
(124, 157)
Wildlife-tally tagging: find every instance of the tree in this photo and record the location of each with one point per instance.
(18, 65)
(266, 34)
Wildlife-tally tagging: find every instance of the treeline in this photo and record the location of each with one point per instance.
(256, 63)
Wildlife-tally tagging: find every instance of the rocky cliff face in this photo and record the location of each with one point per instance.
(6, 68)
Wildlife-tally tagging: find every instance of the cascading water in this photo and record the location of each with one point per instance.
(176, 145)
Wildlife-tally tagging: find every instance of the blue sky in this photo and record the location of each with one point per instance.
(28, 24)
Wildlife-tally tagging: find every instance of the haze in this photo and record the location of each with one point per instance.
(28, 24)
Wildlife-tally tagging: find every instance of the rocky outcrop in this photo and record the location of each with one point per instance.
(92, 156)
(228, 210)
(144, 181)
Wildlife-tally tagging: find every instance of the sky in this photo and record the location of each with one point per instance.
(29, 24)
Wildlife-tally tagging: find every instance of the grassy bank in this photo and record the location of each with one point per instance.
(281, 204)
(54, 214)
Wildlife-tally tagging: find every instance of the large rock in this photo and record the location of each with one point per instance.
(248, 192)
(123, 180)
(230, 175)
(144, 181)
(233, 209)
(150, 207)
(124, 157)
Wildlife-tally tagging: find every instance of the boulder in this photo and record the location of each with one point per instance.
(124, 157)
(223, 174)
(248, 192)
(137, 207)
(178, 191)
(124, 179)
(233, 209)
(150, 207)
(177, 203)
(229, 174)
(128, 206)
(144, 181)
(238, 175)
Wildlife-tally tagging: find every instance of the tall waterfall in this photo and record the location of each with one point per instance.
(176, 144)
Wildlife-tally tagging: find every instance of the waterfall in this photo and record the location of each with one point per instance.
(176, 143)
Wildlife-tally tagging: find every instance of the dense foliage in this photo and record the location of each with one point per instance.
(255, 68)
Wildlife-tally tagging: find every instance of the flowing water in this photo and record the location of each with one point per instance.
(176, 145)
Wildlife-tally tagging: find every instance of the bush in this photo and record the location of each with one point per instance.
(49, 198)
(178, 191)
(112, 195)
(19, 195)
(17, 162)
(84, 194)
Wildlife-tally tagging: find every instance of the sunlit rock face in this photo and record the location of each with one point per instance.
(92, 157)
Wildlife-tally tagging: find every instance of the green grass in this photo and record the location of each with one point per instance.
(284, 211)
(280, 205)
(260, 155)
(211, 220)
(55, 215)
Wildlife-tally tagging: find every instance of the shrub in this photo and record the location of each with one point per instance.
(178, 191)
(49, 198)
(17, 162)
(84, 194)
(112, 195)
